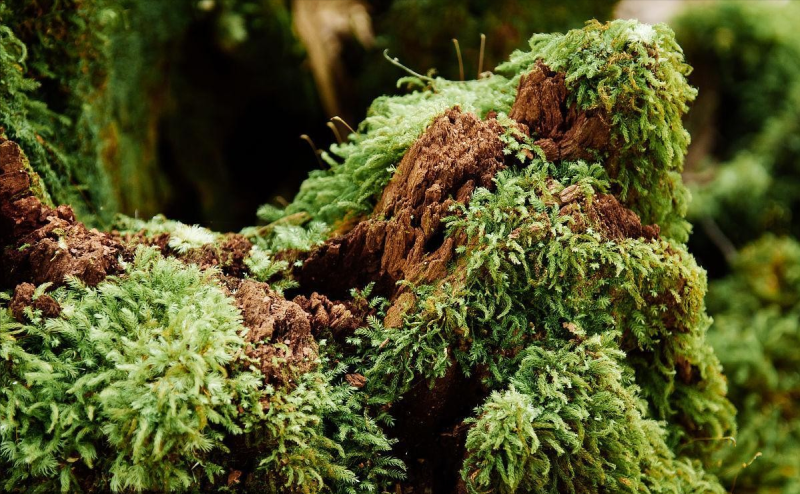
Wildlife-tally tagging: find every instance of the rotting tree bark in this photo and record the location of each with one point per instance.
(272, 318)
(42, 244)
(402, 240)
(563, 132)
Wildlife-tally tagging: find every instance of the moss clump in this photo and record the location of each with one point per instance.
(139, 385)
(526, 438)
(545, 253)
(131, 379)
(633, 73)
(479, 259)
(531, 279)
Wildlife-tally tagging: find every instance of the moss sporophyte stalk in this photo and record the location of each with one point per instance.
(487, 290)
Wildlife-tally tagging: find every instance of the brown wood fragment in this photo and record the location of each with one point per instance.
(563, 132)
(404, 238)
(43, 244)
(23, 297)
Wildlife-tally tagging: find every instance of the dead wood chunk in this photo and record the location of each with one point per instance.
(564, 133)
(619, 222)
(20, 217)
(356, 380)
(43, 244)
(233, 477)
(133, 240)
(235, 250)
(161, 242)
(455, 149)
(228, 255)
(23, 297)
(59, 248)
(541, 96)
(10, 156)
(280, 333)
(341, 318)
(400, 306)
(14, 180)
(14, 183)
(586, 131)
(72, 250)
(48, 306)
(686, 372)
(570, 194)
(404, 239)
(605, 213)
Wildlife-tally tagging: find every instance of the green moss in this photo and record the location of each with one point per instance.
(137, 364)
(632, 71)
(542, 435)
(319, 439)
(588, 346)
(526, 275)
(531, 278)
(136, 387)
(637, 75)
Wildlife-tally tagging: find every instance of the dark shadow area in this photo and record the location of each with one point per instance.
(229, 140)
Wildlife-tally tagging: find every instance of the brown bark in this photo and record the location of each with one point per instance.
(605, 214)
(563, 132)
(280, 337)
(41, 243)
(341, 319)
(23, 298)
(404, 238)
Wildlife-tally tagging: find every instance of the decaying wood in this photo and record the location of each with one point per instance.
(562, 131)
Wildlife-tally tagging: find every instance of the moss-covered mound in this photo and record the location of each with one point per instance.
(486, 291)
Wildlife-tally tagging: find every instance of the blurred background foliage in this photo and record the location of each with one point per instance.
(744, 165)
(146, 106)
(194, 108)
(744, 172)
(756, 334)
